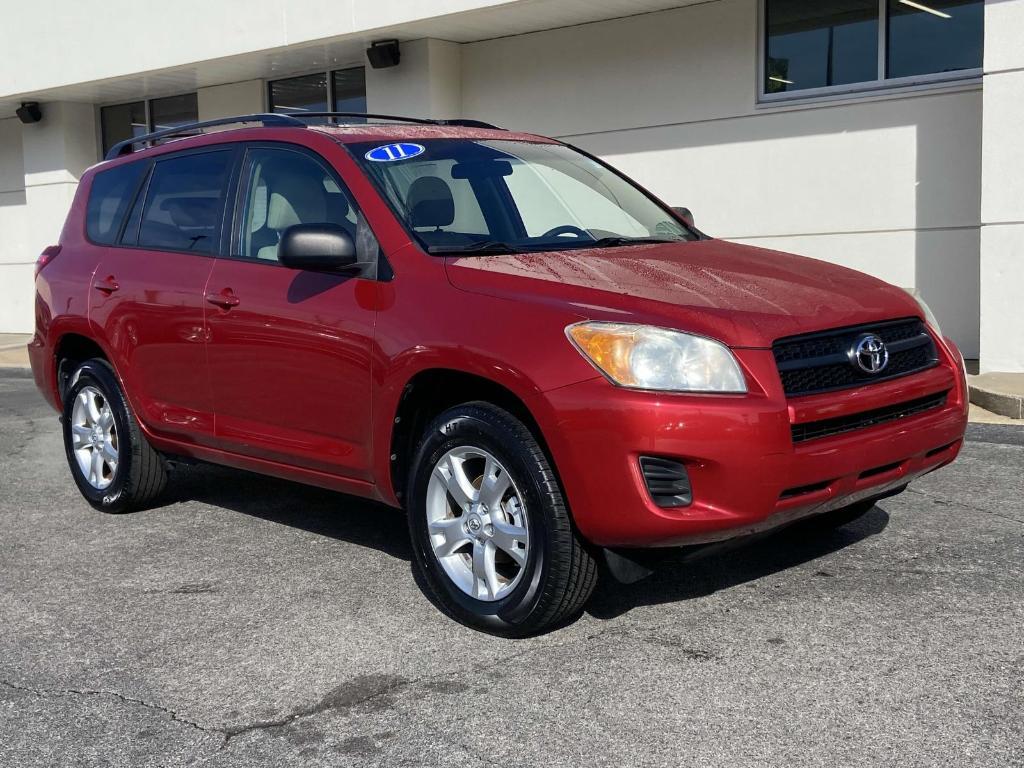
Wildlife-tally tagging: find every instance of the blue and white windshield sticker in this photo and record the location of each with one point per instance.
(391, 152)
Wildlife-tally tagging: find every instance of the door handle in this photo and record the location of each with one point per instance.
(107, 285)
(226, 299)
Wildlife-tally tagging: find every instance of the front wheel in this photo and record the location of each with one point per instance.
(113, 464)
(491, 534)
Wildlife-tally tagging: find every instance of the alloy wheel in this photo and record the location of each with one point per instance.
(477, 523)
(94, 437)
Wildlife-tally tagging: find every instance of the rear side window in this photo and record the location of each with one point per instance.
(185, 201)
(111, 194)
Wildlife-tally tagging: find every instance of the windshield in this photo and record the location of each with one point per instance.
(462, 196)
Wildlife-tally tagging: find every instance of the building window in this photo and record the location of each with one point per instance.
(946, 38)
(850, 45)
(343, 90)
(299, 94)
(173, 111)
(125, 121)
(349, 89)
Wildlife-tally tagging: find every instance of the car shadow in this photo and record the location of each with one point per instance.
(319, 511)
(677, 574)
(685, 574)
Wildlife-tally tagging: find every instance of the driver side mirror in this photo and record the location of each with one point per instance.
(317, 247)
(684, 214)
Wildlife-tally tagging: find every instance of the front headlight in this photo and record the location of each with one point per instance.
(647, 357)
(929, 316)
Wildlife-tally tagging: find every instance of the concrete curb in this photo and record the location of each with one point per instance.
(995, 398)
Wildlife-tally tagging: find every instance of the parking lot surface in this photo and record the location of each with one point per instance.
(249, 621)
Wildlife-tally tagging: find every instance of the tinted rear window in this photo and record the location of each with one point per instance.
(111, 193)
(184, 202)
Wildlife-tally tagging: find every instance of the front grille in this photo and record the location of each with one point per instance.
(820, 362)
(812, 430)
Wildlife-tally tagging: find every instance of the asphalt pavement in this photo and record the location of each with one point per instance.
(248, 622)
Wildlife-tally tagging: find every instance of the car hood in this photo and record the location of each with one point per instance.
(744, 296)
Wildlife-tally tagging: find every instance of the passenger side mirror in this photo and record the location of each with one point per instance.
(317, 247)
(684, 214)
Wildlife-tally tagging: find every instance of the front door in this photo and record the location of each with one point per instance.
(289, 351)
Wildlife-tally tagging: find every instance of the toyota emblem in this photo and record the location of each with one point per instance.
(869, 354)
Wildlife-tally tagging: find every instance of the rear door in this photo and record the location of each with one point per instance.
(148, 296)
(289, 350)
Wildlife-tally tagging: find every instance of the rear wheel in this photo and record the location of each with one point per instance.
(490, 530)
(114, 466)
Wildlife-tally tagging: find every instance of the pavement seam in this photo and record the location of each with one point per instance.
(44, 692)
(933, 497)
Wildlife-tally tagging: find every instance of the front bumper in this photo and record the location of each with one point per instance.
(746, 472)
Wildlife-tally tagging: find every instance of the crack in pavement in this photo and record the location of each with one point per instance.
(44, 692)
(361, 690)
(357, 691)
(345, 697)
(933, 497)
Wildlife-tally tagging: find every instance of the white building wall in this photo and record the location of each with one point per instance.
(427, 84)
(16, 260)
(127, 37)
(1002, 211)
(889, 185)
(56, 151)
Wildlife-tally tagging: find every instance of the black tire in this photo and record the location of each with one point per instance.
(560, 573)
(141, 473)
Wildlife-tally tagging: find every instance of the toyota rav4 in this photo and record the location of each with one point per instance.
(542, 363)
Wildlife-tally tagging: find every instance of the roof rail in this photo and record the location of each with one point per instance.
(124, 147)
(279, 119)
(457, 121)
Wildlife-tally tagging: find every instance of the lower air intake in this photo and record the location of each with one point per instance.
(667, 481)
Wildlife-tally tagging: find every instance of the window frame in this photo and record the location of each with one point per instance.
(232, 239)
(880, 85)
(143, 189)
(141, 182)
(269, 94)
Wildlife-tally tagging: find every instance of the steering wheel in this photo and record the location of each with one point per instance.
(568, 229)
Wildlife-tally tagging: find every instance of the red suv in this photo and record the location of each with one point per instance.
(541, 362)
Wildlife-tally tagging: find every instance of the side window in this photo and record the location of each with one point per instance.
(284, 188)
(109, 198)
(184, 202)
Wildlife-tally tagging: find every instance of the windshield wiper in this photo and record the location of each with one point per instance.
(611, 242)
(483, 247)
(498, 247)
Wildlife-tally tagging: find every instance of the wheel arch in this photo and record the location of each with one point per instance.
(71, 350)
(431, 391)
